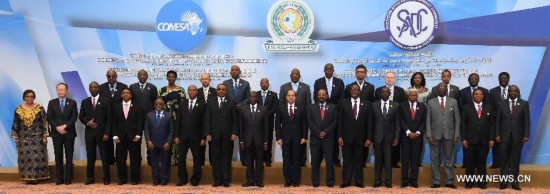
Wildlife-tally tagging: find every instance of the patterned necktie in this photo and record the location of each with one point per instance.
(504, 93)
(355, 109)
(62, 105)
(93, 102)
(291, 114)
(322, 112)
(385, 110)
(112, 91)
(479, 111)
(413, 111)
(158, 118)
(442, 104)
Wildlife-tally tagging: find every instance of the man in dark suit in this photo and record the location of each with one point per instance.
(442, 131)
(413, 126)
(62, 115)
(513, 126)
(366, 94)
(95, 114)
(112, 89)
(204, 93)
(354, 122)
(322, 118)
(145, 95)
(253, 122)
(127, 131)
(477, 134)
(270, 101)
(221, 128)
(159, 133)
(291, 130)
(452, 90)
(239, 90)
(499, 94)
(384, 135)
(465, 95)
(335, 94)
(303, 97)
(397, 94)
(190, 135)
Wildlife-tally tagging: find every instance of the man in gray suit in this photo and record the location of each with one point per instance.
(442, 131)
(159, 133)
(303, 97)
(238, 90)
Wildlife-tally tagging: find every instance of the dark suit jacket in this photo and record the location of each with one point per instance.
(465, 96)
(271, 104)
(68, 117)
(337, 89)
(476, 130)
(146, 99)
(105, 90)
(513, 127)
(211, 94)
(349, 129)
(101, 116)
(367, 92)
(496, 97)
(253, 127)
(221, 123)
(243, 91)
(399, 94)
(127, 127)
(453, 92)
(407, 123)
(303, 95)
(162, 133)
(191, 126)
(316, 125)
(385, 129)
(291, 131)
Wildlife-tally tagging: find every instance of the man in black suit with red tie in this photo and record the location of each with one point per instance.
(513, 126)
(204, 93)
(62, 115)
(413, 126)
(127, 131)
(189, 134)
(335, 92)
(477, 134)
(221, 128)
(95, 114)
(291, 129)
(354, 122)
(112, 89)
(269, 100)
(322, 118)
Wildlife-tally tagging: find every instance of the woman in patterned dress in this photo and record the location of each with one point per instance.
(30, 131)
(172, 95)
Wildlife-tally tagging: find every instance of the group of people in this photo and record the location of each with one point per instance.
(350, 118)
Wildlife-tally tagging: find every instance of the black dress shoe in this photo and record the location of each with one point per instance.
(287, 184)
(337, 165)
(415, 185)
(316, 185)
(163, 182)
(330, 185)
(389, 186)
(344, 185)
(516, 187)
(106, 182)
(155, 183)
(494, 166)
(68, 182)
(195, 184)
(450, 186)
(121, 183)
(483, 186)
(260, 184)
(360, 185)
(376, 185)
(403, 185)
(248, 184)
(181, 183)
(502, 186)
(295, 185)
(268, 164)
(226, 185)
(59, 182)
(134, 182)
(468, 186)
(89, 181)
(216, 184)
(435, 186)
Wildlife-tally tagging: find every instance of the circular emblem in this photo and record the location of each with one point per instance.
(411, 24)
(181, 25)
(290, 21)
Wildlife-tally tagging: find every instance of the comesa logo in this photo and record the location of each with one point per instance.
(411, 24)
(290, 23)
(181, 25)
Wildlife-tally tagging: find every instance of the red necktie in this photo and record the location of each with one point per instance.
(322, 112)
(355, 109)
(442, 104)
(479, 111)
(513, 106)
(93, 102)
(413, 112)
(291, 113)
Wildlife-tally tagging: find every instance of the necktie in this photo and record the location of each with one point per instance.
(93, 102)
(205, 91)
(235, 86)
(291, 114)
(442, 104)
(126, 108)
(253, 112)
(513, 106)
(62, 105)
(391, 94)
(191, 107)
(112, 91)
(448, 91)
(329, 87)
(221, 103)
(504, 93)
(413, 111)
(479, 111)
(158, 118)
(141, 87)
(263, 97)
(384, 110)
(322, 112)
(355, 109)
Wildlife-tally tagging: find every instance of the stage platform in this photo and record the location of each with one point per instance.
(540, 174)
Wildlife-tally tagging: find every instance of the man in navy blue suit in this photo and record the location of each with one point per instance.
(159, 133)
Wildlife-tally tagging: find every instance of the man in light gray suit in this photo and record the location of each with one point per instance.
(442, 131)
(238, 90)
(303, 97)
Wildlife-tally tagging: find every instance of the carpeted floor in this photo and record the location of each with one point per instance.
(19, 187)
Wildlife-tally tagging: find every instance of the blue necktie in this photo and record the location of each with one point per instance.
(191, 107)
(235, 88)
(158, 118)
(62, 105)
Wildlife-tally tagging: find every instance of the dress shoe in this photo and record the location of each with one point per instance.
(121, 183)
(316, 185)
(226, 185)
(248, 184)
(155, 183)
(516, 187)
(494, 166)
(295, 185)
(287, 184)
(360, 185)
(483, 186)
(89, 182)
(468, 186)
(260, 185)
(450, 186)
(216, 184)
(58, 182)
(163, 182)
(403, 185)
(106, 182)
(344, 185)
(337, 165)
(68, 182)
(181, 183)
(502, 186)
(415, 185)
(134, 182)
(389, 186)
(330, 185)
(435, 186)
(376, 185)
(268, 164)
(195, 184)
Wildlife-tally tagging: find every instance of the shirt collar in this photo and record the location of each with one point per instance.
(391, 88)
(480, 104)
(254, 105)
(96, 96)
(295, 84)
(359, 83)
(412, 103)
(293, 104)
(142, 84)
(388, 101)
(236, 80)
(323, 104)
(510, 100)
(505, 88)
(329, 79)
(192, 101)
(358, 100)
(128, 103)
(63, 99)
(265, 91)
(114, 85)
